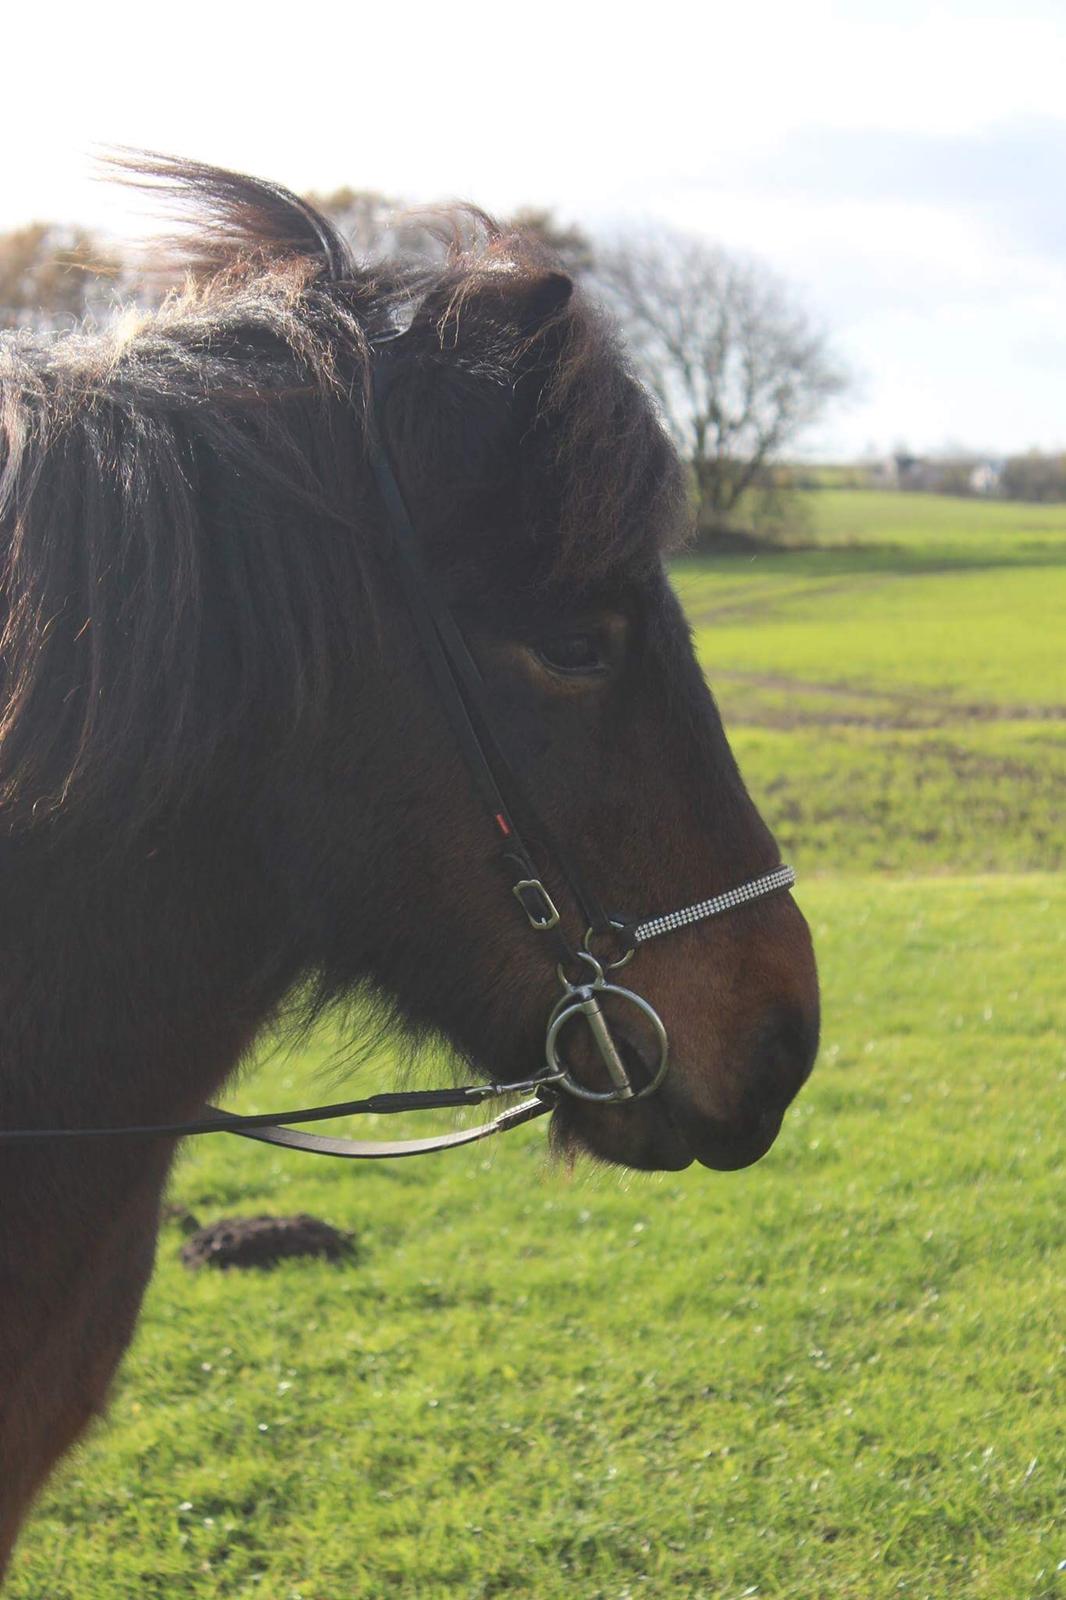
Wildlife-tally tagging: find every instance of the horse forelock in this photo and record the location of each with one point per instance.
(214, 443)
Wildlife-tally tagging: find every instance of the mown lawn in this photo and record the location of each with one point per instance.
(837, 1374)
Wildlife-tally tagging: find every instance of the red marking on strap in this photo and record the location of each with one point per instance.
(503, 825)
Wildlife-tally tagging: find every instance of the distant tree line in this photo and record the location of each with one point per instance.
(52, 277)
(1035, 476)
(738, 368)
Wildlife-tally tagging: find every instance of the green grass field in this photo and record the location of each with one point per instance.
(897, 694)
(837, 1374)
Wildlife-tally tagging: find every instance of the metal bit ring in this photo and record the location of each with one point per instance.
(608, 966)
(584, 1002)
(568, 984)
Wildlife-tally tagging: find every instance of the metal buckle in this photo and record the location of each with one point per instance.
(548, 916)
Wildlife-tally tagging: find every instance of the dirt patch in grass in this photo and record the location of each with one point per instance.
(264, 1241)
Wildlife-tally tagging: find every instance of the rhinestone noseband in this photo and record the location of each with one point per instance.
(672, 921)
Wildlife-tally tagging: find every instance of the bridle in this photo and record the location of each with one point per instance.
(585, 977)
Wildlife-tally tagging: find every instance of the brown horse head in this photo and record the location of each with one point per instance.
(563, 495)
(213, 680)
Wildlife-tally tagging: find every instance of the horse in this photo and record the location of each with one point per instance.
(225, 774)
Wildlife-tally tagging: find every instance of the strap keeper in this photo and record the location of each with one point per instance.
(537, 903)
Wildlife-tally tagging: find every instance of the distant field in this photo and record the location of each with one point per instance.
(934, 527)
(836, 1376)
(899, 693)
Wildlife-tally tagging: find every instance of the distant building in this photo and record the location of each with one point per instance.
(915, 472)
(958, 475)
(986, 477)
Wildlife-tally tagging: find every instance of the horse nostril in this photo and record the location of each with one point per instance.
(782, 1059)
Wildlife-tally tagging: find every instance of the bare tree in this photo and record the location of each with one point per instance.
(378, 228)
(736, 364)
(1035, 477)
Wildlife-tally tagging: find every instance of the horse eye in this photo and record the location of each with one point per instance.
(577, 653)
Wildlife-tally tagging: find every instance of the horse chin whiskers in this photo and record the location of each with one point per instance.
(643, 1137)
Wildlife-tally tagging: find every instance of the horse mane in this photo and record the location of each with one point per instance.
(182, 492)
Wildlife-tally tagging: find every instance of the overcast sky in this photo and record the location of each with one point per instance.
(901, 164)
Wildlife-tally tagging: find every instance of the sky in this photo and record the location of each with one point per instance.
(900, 165)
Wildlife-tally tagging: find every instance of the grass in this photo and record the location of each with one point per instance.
(868, 798)
(975, 639)
(936, 528)
(896, 691)
(832, 1377)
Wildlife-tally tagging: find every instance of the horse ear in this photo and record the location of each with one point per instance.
(524, 300)
(543, 297)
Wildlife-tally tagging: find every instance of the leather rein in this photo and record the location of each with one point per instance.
(461, 690)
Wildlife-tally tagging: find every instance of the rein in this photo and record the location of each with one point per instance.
(461, 690)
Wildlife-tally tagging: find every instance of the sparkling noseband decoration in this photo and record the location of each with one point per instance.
(729, 900)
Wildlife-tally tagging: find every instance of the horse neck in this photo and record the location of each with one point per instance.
(129, 987)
